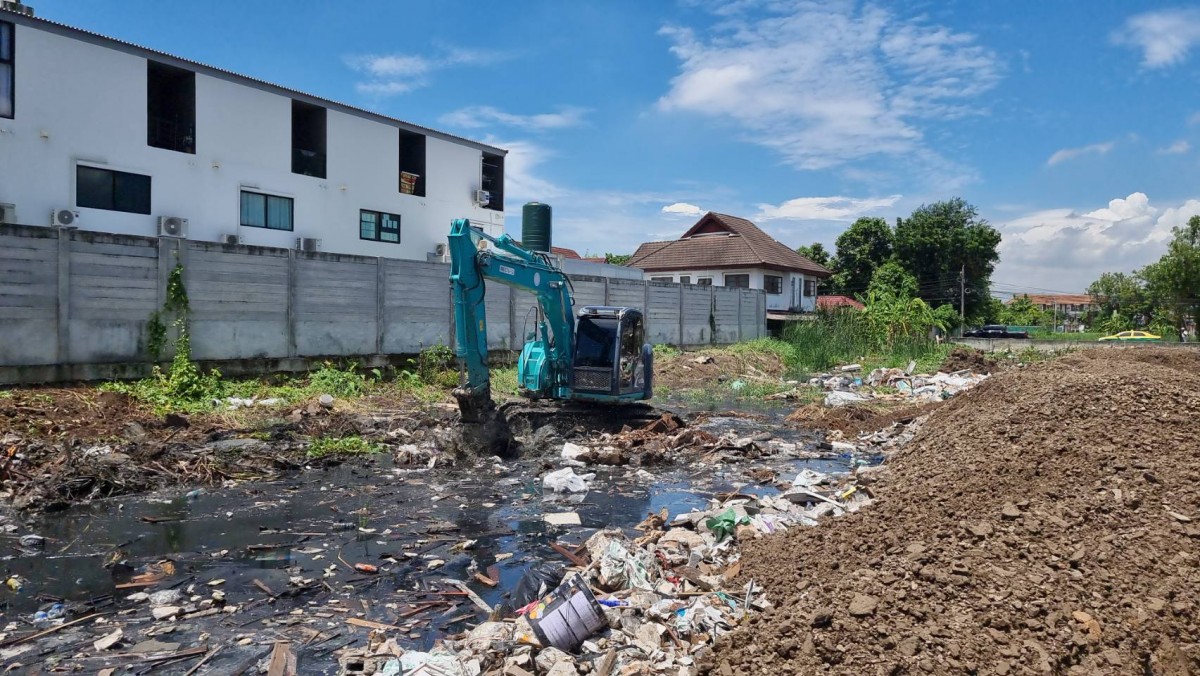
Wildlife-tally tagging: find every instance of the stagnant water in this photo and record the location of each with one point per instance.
(356, 513)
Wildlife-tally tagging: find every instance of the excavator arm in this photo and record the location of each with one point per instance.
(546, 358)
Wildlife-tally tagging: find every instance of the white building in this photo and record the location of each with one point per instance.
(123, 135)
(722, 250)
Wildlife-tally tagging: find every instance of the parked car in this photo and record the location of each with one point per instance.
(994, 331)
(1133, 336)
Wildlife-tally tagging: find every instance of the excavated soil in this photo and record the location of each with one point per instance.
(1047, 521)
(852, 421)
(707, 368)
(965, 358)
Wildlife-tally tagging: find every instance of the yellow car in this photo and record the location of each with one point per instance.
(1128, 336)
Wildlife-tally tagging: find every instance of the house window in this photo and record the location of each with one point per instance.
(773, 284)
(660, 279)
(8, 70)
(112, 190)
(737, 281)
(704, 281)
(308, 139)
(810, 288)
(378, 226)
(685, 279)
(492, 181)
(412, 163)
(170, 108)
(266, 211)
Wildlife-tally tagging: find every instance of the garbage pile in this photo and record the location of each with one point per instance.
(845, 387)
(646, 602)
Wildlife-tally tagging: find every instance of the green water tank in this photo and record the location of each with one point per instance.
(535, 226)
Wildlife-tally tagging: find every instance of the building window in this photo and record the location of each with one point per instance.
(737, 281)
(8, 70)
(412, 163)
(661, 279)
(112, 190)
(492, 181)
(810, 288)
(704, 281)
(308, 139)
(378, 226)
(685, 279)
(266, 211)
(773, 284)
(170, 108)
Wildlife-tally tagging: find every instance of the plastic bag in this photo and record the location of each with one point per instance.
(724, 524)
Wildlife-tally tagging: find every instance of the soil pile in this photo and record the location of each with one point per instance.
(1047, 521)
(707, 368)
(852, 421)
(967, 359)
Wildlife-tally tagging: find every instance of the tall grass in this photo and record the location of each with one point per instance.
(847, 336)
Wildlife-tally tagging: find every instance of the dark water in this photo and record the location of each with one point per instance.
(354, 513)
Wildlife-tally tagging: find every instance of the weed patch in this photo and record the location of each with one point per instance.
(324, 446)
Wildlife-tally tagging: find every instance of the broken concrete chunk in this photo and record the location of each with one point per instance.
(106, 642)
(548, 657)
(165, 612)
(863, 605)
(1010, 512)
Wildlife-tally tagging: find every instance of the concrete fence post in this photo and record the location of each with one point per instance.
(291, 303)
(739, 315)
(606, 300)
(646, 307)
(64, 296)
(380, 307)
(680, 341)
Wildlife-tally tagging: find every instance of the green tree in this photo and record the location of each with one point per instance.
(864, 246)
(1173, 283)
(1119, 295)
(1022, 312)
(892, 278)
(617, 259)
(816, 253)
(940, 240)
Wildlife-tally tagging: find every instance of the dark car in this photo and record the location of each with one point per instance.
(994, 331)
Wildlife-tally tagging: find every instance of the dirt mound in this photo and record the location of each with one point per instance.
(697, 370)
(965, 358)
(852, 421)
(1180, 359)
(1047, 521)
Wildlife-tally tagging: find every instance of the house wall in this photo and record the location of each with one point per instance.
(80, 102)
(75, 304)
(792, 298)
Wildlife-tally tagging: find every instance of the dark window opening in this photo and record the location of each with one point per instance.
(737, 281)
(8, 70)
(412, 163)
(810, 288)
(170, 108)
(773, 284)
(595, 342)
(493, 181)
(308, 139)
(112, 190)
(660, 279)
(685, 279)
(704, 281)
(266, 211)
(378, 226)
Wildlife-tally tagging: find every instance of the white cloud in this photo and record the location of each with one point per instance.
(1165, 37)
(828, 84)
(1194, 119)
(1071, 153)
(682, 209)
(825, 208)
(390, 74)
(474, 117)
(1179, 147)
(1065, 250)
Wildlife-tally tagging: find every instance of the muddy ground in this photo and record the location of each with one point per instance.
(1047, 521)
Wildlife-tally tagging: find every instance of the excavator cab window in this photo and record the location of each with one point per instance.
(595, 342)
(633, 334)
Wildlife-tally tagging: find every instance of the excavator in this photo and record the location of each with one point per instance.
(598, 354)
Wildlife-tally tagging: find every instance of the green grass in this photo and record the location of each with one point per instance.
(324, 446)
(846, 338)
(1088, 337)
(504, 381)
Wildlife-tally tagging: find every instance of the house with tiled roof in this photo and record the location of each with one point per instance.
(724, 250)
(835, 302)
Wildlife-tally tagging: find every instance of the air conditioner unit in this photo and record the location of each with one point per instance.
(231, 239)
(309, 244)
(8, 213)
(482, 198)
(440, 250)
(64, 218)
(172, 226)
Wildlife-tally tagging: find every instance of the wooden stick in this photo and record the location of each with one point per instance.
(470, 594)
(207, 657)
(263, 586)
(568, 554)
(370, 625)
(486, 580)
(49, 631)
(280, 659)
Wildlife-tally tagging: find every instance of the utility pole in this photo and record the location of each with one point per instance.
(962, 299)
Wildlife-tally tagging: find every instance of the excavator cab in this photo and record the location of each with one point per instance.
(612, 358)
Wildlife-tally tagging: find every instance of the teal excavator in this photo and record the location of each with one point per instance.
(598, 354)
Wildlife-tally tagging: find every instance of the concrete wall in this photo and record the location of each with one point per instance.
(82, 100)
(73, 301)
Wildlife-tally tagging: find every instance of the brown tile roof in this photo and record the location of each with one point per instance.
(830, 302)
(1056, 298)
(566, 253)
(722, 241)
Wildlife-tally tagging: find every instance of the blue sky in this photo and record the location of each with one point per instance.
(1073, 126)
